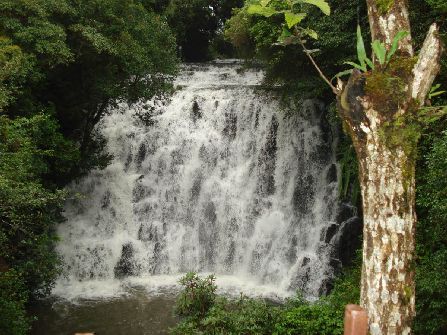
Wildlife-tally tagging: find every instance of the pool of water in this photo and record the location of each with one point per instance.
(133, 314)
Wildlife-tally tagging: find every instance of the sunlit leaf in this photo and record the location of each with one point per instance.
(264, 2)
(292, 19)
(311, 33)
(260, 10)
(322, 4)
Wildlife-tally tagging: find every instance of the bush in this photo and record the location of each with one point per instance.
(206, 313)
(13, 297)
(320, 318)
(431, 237)
(197, 297)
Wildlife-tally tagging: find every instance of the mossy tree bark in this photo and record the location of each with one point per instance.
(381, 119)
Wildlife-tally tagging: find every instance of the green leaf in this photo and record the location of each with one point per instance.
(436, 94)
(400, 35)
(357, 66)
(379, 51)
(260, 10)
(292, 19)
(285, 35)
(435, 87)
(311, 33)
(264, 3)
(369, 62)
(434, 91)
(342, 73)
(322, 4)
(285, 32)
(361, 52)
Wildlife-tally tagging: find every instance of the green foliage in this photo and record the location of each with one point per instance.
(329, 37)
(431, 236)
(434, 91)
(198, 295)
(319, 318)
(382, 55)
(257, 317)
(438, 5)
(82, 58)
(63, 64)
(292, 12)
(14, 66)
(197, 26)
(13, 298)
(28, 213)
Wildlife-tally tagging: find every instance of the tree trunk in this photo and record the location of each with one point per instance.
(388, 191)
(383, 123)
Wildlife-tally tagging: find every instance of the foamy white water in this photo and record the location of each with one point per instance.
(223, 180)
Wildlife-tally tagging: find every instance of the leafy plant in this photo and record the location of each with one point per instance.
(292, 13)
(13, 298)
(248, 316)
(198, 295)
(379, 50)
(434, 91)
(431, 237)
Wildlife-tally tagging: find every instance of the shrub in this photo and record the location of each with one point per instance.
(197, 297)
(13, 297)
(206, 313)
(431, 238)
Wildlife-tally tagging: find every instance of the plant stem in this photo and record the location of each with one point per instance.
(307, 52)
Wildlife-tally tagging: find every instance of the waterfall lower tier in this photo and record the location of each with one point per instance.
(219, 179)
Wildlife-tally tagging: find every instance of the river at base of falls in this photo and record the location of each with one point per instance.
(134, 314)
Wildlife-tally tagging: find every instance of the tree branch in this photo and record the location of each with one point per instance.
(307, 52)
(385, 23)
(428, 65)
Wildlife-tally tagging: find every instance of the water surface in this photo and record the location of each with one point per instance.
(136, 314)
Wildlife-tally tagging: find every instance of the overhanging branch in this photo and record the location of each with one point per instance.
(307, 52)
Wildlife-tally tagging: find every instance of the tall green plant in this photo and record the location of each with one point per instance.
(382, 55)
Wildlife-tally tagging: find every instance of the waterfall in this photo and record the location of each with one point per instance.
(221, 178)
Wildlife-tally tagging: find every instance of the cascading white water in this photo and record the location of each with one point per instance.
(222, 180)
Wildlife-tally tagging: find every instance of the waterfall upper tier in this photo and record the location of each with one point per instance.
(219, 74)
(224, 179)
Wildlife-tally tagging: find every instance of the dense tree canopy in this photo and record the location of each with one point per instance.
(197, 24)
(63, 64)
